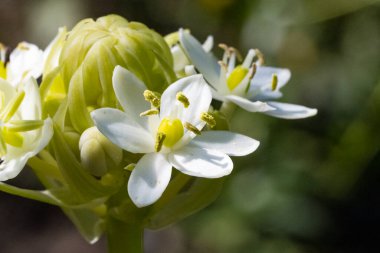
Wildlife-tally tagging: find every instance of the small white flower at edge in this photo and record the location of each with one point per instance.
(250, 85)
(25, 61)
(166, 132)
(23, 133)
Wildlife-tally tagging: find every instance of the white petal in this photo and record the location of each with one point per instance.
(290, 111)
(198, 93)
(202, 60)
(31, 105)
(24, 62)
(149, 179)
(10, 169)
(248, 105)
(263, 79)
(226, 142)
(8, 90)
(44, 137)
(208, 44)
(129, 91)
(179, 58)
(200, 162)
(123, 131)
(53, 51)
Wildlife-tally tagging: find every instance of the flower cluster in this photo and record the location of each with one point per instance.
(127, 106)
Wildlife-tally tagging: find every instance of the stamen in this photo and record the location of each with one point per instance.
(260, 57)
(24, 125)
(160, 137)
(152, 97)
(236, 52)
(249, 58)
(208, 118)
(149, 112)
(224, 47)
(12, 106)
(181, 97)
(192, 128)
(223, 65)
(274, 82)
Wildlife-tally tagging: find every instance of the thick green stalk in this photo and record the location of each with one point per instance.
(124, 237)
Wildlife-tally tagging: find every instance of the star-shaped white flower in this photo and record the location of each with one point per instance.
(25, 61)
(23, 133)
(167, 134)
(250, 85)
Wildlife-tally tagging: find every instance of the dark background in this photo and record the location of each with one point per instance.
(313, 185)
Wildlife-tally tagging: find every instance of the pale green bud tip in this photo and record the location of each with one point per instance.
(208, 118)
(97, 152)
(183, 99)
(192, 128)
(152, 97)
(274, 82)
(160, 138)
(130, 167)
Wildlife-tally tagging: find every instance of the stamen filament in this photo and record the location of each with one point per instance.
(24, 125)
(260, 57)
(3, 146)
(12, 107)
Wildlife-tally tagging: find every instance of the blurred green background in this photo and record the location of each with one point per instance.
(312, 186)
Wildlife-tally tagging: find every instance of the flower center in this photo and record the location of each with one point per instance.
(237, 75)
(173, 131)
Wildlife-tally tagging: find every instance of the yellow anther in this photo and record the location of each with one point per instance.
(192, 128)
(152, 97)
(149, 112)
(208, 118)
(237, 75)
(181, 97)
(224, 47)
(274, 82)
(260, 56)
(130, 167)
(172, 129)
(160, 138)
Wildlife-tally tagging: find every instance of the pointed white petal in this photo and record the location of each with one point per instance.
(200, 162)
(10, 169)
(208, 44)
(248, 105)
(202, 60)
(31, 105)
(290, 111)
(179, 58)
(8, 90)
(263, 79)
(198, 93)
(129, 91)
(24, 62)
(123, 131)
(149, 179)
(226, 142)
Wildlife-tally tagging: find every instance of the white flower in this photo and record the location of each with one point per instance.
(25, 61)
(22, 131)
(166, 136)
(250, 85)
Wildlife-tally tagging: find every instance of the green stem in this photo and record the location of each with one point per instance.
(227, 109)
(124, 237)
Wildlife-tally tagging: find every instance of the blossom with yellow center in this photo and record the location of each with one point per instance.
(249, 85)
(170, 137)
